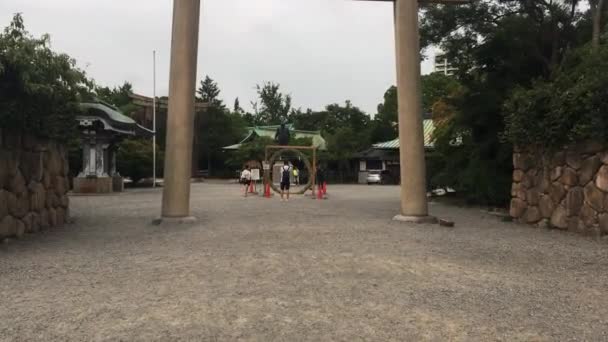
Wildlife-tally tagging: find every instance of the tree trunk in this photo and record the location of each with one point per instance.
(596, 14)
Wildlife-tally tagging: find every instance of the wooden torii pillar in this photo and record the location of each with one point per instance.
(178, 152)
(414, 204)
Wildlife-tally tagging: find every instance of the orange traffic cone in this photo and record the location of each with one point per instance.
(267, 190)
(251, 188)
(320, 192)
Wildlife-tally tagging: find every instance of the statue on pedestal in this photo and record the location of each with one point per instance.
(282, 136)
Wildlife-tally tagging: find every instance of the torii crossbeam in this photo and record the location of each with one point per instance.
(178, 151)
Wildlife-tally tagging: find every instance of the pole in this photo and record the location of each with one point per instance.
(154, 119)
(180, 119)
(414, 206)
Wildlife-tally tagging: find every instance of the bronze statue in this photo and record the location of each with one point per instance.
(282, 136)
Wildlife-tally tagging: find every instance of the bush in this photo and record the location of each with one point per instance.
(39, 88)
(573, 107)
(134, 159)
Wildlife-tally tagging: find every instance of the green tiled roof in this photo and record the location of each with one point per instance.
(429, 130)
(270, 131)
(113, 119)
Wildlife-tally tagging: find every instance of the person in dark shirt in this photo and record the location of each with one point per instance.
(285, 180)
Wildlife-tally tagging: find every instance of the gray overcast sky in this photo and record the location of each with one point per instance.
(320, 51)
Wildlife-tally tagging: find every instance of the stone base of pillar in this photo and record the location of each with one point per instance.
(416, 219)
(175, 221)
(99, 185)
(118, 184)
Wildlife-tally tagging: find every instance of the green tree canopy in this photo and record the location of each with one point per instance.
(273, 106)
(39, 88)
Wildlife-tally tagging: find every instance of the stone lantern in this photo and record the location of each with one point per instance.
(102, 127)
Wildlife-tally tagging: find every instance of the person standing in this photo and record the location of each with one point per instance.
(285, 180)
(296, 176)
(246, 178)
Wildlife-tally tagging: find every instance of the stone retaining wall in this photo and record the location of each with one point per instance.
(33, 185)
(567, 189)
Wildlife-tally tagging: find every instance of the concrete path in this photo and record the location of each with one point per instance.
(263, 270)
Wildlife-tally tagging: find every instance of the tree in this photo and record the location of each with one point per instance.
(497, 47)
(209, 92)
(274, 106)
(215, 128)
(119, 96)
(134, 159)
(39, 88)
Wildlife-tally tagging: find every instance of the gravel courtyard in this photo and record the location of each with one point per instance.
(261, 270)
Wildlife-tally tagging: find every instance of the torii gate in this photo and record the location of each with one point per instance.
(178, 152)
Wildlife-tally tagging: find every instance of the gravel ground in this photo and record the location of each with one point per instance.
(262, 270)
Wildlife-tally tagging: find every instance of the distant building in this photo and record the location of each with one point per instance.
(384, 156)
(443, 65)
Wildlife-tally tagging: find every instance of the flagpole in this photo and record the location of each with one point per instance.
(154, 120)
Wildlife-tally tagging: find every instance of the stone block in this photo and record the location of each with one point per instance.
(59, 185)
(12, 162)
(576, 225)
(518, 175)
(52, 217)
(18, 206)
(589, 216)
(3, 203)
(604, 157)
(518, 208)
(574, 201)
(569, 177)
(533, 196)
(61, 219)
(17, 184)
(573, 159)
(101, 185)
(7, 226)
(559, 218)
(545, 205)
(544, 223)
(514, 188)
(33, 164)
(545, 182)
(556, 173)
(65, 201)
(35, 222)
(4, 172)
(28, 221)
(521, 193)
(521, 161)
(53, 161)
(52, 200)
(588, 169)
(594, 197)
(558, 159)
(46, 180)
(603, 219)
(44, 219)
(601, 181)
(533, 215)
(557, 192)
(591, 147)
(37, 196)
(19, 229)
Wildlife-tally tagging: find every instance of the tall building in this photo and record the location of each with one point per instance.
(442, 64)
